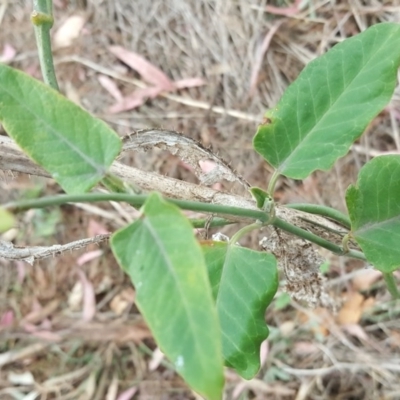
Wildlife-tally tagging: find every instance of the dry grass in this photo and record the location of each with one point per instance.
(47, 346)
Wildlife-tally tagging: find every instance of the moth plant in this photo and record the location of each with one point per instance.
(205, 300)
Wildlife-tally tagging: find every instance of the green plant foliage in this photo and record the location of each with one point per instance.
(6, 220)
(374, 209)
(260, 196)
(165, 263)
(331, 103)
(75, 147)
(244, 283)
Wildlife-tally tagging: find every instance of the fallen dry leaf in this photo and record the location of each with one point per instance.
(89, 256)
(110, 86)
(151, 74)
(145, 68)
(351, 311)
(96, 228)
(136, 99)
(68, 31)
(89, 299)
(7, 319)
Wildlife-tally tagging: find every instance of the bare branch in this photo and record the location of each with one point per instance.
(30, 254)
(12, 158)
(187, 149)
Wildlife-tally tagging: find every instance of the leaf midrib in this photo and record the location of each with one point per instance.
(164, 252)
(99, 169)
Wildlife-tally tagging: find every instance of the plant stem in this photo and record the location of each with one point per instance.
(138, 200)
(42, 19)
(324, 211)
(246, 229)
(272, 183)
(391, 284)
(279, 223)
(135, 200)
(200, 223)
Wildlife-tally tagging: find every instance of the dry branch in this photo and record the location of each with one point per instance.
(300, 259)
(12, 158)
(30, 254)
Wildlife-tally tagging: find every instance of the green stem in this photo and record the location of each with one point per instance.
(391, 284)
(42, 19)
(272, 183)
(279, 223)
(135, 200)
(200, 223)
(324, 211)
(138, 200)
(246, 229)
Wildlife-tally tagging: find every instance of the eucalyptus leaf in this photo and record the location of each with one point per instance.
(72, 145)
(331, 103)
(374, 210)
(244, 283)
(165, 263)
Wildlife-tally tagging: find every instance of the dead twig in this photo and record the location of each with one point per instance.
(188, 150)
(31, 254)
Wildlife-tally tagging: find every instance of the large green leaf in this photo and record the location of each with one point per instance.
(331, 103)
(75, 147)
(165, 262)
(244, 283)
(374, 209)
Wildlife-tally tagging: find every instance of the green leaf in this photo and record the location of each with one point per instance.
(244, 283)
(7, 220)
(374, 210)
(260, 196)
(75, 147)
(331, 103)
(165, 263)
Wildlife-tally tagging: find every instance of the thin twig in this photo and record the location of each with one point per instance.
(30, 254)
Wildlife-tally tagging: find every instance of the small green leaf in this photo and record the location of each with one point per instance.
(75, 147)
(260, 196)
(374, 210)
(165, 263)
(244, 283)
(331, 103)
(7, 220)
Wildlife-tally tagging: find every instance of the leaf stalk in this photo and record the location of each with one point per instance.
(324, 211)
(391, 284)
